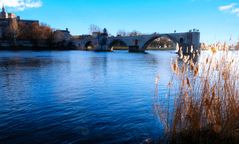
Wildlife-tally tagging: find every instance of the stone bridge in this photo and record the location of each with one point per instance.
(188, 41)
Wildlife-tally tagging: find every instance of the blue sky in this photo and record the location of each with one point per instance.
(218, 20)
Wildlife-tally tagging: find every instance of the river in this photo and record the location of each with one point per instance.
(80, 97)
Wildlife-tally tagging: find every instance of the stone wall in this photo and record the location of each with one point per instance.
(139, 43)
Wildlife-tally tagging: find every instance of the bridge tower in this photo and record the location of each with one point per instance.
(102, 39)
(189, 42)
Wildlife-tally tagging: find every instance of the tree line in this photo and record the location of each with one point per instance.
(96, 29)
(34, 32)
(132, 33)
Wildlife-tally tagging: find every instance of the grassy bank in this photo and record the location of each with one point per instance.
(202, 105)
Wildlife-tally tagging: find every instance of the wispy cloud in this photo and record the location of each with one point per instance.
(227, 7)
(236, 10)
(21, 5)
(230, 8)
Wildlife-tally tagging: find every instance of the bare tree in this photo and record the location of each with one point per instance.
(13, 30)
(35, 33)
(135, 33)
(24, 31)
(94, 28)
(121, 33)
(45, 32)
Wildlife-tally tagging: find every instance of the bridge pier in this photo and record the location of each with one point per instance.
(135, 49)
(103, 48)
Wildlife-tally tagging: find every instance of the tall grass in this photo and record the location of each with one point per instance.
(202, 104)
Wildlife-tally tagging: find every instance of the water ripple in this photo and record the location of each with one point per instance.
(80, 97)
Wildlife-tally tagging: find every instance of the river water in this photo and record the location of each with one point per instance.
(80, 97)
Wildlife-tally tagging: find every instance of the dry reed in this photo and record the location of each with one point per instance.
(202, 105)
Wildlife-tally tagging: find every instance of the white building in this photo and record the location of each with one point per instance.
(5, 15)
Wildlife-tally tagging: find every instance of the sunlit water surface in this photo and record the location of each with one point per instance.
(80, 97)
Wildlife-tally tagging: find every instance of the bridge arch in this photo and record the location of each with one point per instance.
(181, 40)
(117, 43)
(89, 45)
(153, 38)
(78, 45)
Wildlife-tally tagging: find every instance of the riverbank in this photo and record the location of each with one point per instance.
(41, 45)
(21, 48)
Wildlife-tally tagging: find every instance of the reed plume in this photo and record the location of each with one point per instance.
(202, 105)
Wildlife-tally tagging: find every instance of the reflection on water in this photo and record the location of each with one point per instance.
(14, 62)
(80, 97)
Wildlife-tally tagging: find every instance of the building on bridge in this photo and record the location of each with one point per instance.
(63, 35)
